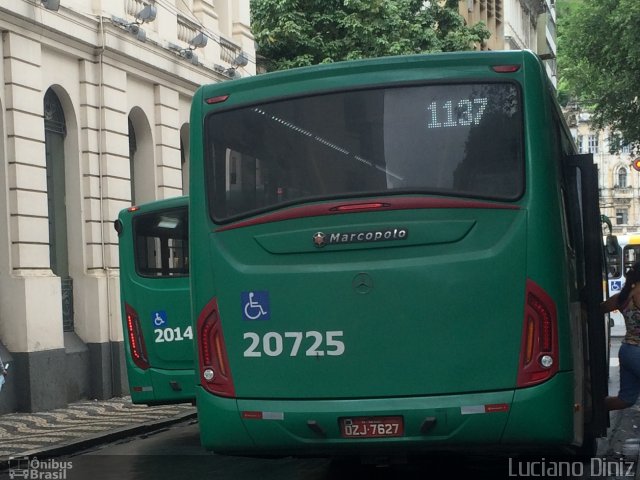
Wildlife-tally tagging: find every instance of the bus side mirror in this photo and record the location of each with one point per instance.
(612, 245)
(118, 226)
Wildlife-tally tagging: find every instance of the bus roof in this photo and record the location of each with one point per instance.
(442, 65)
(159, 204)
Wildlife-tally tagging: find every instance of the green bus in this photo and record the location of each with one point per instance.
(395, 255)
(154, 291)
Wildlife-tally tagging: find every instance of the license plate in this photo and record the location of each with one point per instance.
(371, 427)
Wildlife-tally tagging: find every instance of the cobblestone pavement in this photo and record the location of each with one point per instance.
(87, 422)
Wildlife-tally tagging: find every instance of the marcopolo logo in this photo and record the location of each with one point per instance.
(321, 239)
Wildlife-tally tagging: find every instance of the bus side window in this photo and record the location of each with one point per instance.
(565, 199)
(567, 232)
(572, 197)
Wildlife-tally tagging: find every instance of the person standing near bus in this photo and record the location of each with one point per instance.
(627, 301)
(3, 372)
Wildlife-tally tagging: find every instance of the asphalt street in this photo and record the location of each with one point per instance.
(117, 440)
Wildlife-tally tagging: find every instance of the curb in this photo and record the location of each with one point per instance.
(73, 446)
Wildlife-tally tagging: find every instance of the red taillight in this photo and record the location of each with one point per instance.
(136, 339)
(505, 68)
(539, 350)
(215, 375)
(218, 99)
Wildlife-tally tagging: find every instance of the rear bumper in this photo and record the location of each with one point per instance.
(537, 416)
(158, 386)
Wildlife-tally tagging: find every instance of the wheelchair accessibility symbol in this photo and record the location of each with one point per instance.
(159, 319)
(255, 305)
(616, 285)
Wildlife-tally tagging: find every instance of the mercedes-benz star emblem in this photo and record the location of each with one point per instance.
(319, 240)
(362, 283)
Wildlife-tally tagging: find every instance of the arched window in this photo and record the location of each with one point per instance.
(142, 169)
(53, 114)
(55, 131)
(622, 177)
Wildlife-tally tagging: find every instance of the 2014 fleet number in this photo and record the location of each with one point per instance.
(173, 334)
(312, 343)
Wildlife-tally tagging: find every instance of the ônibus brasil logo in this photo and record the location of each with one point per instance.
(321, 239)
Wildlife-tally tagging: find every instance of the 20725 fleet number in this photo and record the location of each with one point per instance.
(312, 343)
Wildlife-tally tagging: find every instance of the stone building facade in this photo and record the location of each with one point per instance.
(94, 116)
(618, 179)
(517, 25)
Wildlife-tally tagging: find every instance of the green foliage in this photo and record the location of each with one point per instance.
(599, 62)
(292, 33)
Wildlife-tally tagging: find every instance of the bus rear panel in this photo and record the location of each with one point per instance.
(382, 260)
(156, 318)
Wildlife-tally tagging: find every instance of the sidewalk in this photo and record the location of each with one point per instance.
(82, 425)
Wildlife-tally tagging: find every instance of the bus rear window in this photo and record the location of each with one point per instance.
(459, 139)
(161, 243)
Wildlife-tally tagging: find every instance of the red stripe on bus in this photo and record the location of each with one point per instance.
(338, 208)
